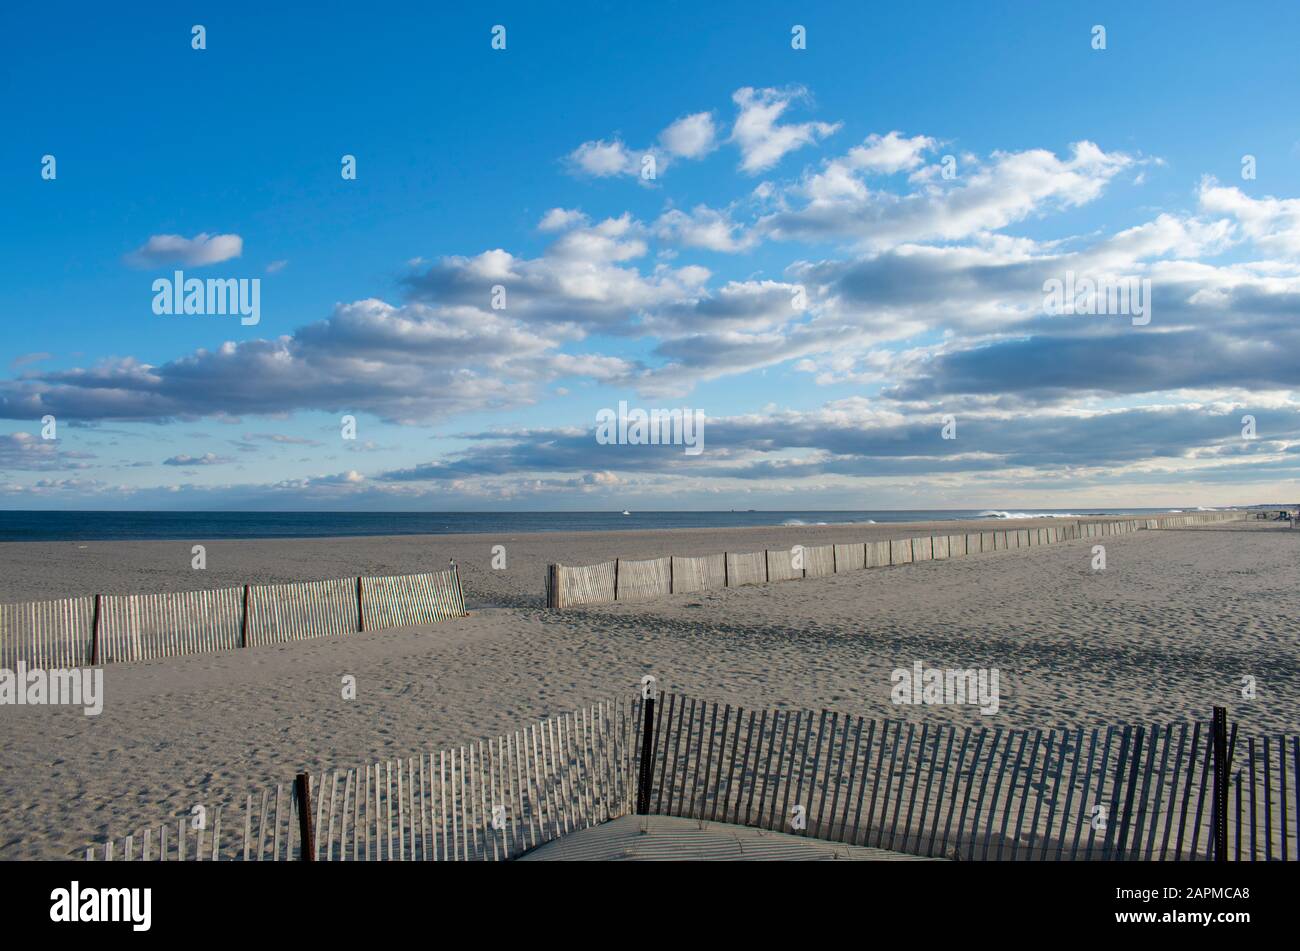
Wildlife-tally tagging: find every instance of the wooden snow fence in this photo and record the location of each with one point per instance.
(785, 564)
(705, 573)
(646, 579)
(487, 800)
(642, 580)
(819, 561)
(110, 629)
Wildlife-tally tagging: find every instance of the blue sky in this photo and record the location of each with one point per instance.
(776, 169)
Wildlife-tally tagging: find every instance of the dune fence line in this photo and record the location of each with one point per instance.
(1179, 791)
(488, 800)
(110, 629)
(645, 579)
(1134, 792)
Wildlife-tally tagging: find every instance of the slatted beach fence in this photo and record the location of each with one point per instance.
(488, 800)
(47, 633)
(850, 557)
(784, 564)
(646, 579)
(101, 629)
(818, 561)
(280, 613)
(967, 792)
(409, 600)
(137, 627)
(877, 554)
(747, 568)
(705, 573)
(567, 586)
(973, 792)
(642, 580)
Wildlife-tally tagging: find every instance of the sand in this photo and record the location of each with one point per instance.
(664, 838)
(1164, 633)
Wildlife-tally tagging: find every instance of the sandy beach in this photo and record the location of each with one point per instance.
(1165, 632)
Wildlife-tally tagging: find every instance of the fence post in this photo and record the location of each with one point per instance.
(616, 579)
(1221, 767)
(94, 633)
(646, 771)
(243, 620)
(361, 616)
(553, 587)
(306, 834)
(460, 592)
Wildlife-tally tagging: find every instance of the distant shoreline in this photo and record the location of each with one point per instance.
(34, 570)
(101, 526)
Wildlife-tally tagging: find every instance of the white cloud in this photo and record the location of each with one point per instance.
(601, 159)
(1012, 186)
(1272, 224)
(583, 282)
(762, 139)
(704, 228)
(163, 250)
(691, 136)
(561, 219)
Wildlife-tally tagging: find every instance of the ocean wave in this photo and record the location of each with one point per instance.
(996, 514)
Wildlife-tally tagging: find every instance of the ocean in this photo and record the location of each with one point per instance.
(109, 526)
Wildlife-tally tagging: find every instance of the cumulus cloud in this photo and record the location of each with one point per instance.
(585, 281)
(762, 138)
(691, 137)
(601, 159)
(165, 250)
(560, 219)
(1271, 224)
(835, 203)
(704, 227)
